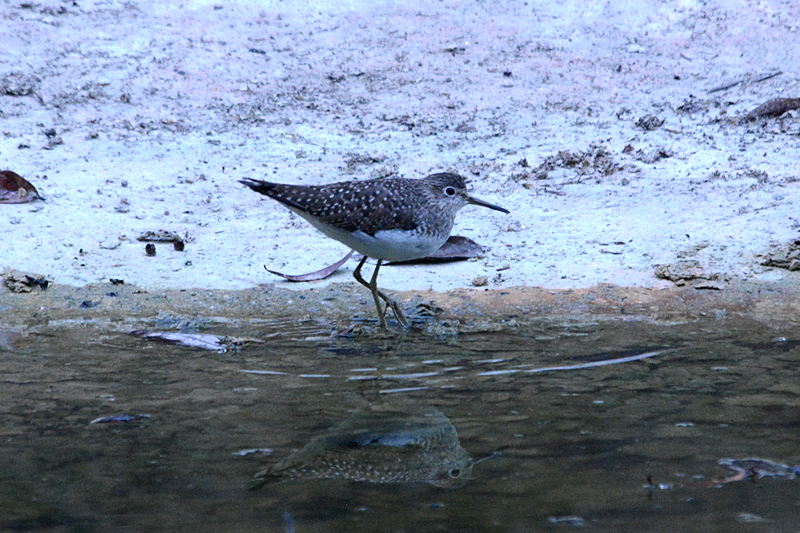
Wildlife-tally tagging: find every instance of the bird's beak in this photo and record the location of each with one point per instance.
(474, 201)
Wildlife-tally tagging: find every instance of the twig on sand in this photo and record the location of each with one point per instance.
(745, 79)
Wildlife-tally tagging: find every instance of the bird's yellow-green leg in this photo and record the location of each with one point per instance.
(377, 293)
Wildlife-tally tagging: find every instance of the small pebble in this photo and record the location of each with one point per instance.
(480, 281)
(150, 249)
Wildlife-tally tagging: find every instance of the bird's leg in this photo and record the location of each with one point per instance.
(357, 275)
(373, 286)
(376, 293)
(357, 272)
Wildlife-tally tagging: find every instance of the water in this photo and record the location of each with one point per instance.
(624, 447)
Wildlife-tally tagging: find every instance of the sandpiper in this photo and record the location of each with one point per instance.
(389, 219)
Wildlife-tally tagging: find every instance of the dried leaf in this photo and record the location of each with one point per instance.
(14, 189)
(314, 276)
(774, 108)
(456, 248)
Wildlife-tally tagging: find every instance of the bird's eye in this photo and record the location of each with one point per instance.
(454, 473)
(450, 191)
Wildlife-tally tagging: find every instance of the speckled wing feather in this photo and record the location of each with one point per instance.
(394, 211)
(342, 205)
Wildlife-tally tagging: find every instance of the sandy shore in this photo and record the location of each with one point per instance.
(616, 135)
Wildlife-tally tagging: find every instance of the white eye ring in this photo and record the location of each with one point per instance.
(450, 191)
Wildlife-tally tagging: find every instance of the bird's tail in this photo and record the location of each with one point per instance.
(261, 187)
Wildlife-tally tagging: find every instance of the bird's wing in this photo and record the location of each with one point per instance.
(344, 205)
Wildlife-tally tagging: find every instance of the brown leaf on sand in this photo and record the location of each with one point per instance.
(456, 248)
(774, 108)
(313, 276)
(14, 189)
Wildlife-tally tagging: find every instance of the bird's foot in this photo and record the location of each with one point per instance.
(397, 312)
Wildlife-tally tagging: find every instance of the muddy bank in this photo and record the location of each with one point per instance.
(343, 307)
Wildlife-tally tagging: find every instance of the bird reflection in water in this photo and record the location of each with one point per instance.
(410, 444)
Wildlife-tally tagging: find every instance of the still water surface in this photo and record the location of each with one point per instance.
(444, 434)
